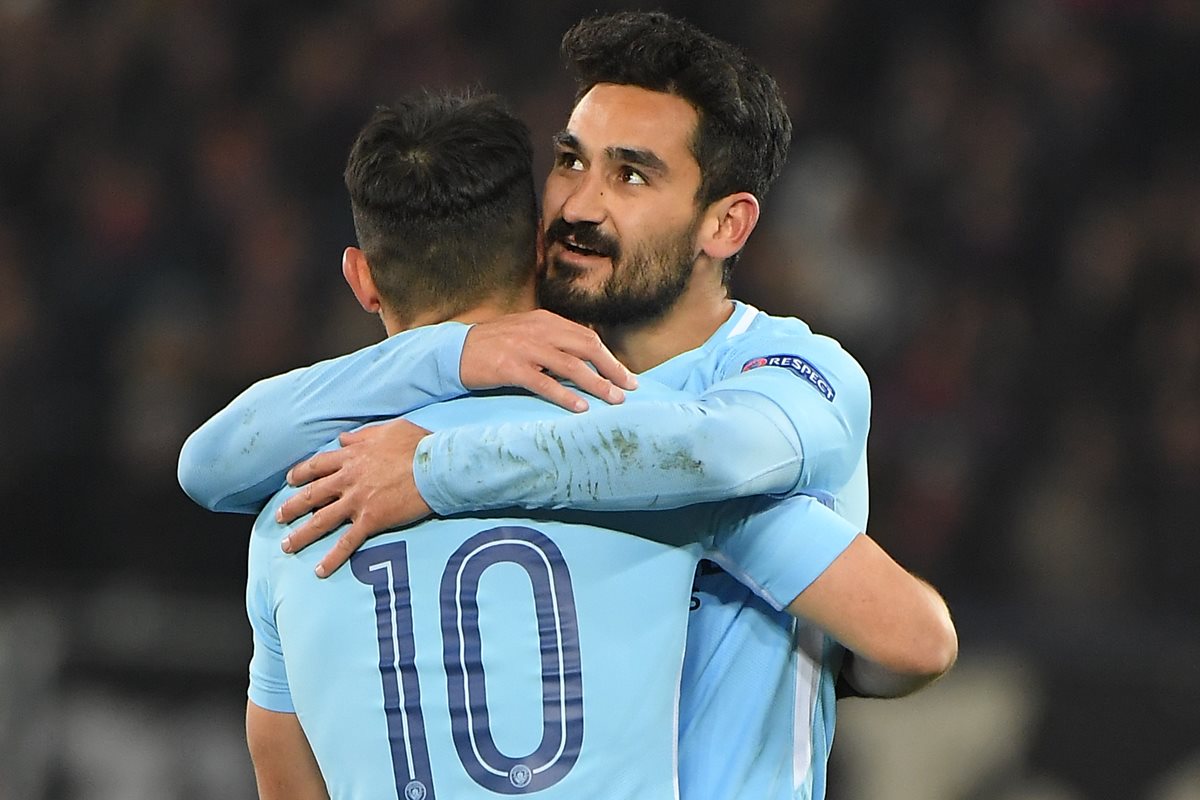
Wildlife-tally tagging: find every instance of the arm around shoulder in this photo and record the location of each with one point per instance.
(238, 458)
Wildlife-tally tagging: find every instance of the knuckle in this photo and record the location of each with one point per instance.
(589, 382)
(325, 518)
(545, 383)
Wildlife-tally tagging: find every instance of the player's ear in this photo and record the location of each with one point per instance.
(357, 273)
(728, 224)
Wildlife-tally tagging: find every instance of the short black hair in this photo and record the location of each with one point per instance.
(743, 134)
(441, 188)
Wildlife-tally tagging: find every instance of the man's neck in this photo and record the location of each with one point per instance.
(487, 311)
(703, 307)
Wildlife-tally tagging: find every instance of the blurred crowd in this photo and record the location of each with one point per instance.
(995, 206)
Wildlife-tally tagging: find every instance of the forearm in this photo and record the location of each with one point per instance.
(867, 678)
(897, 626)
(239, 458)
(643, 456)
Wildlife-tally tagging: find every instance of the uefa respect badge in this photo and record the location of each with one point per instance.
(798, 366)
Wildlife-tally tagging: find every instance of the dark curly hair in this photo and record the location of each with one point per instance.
(743, 134)
(441, 188)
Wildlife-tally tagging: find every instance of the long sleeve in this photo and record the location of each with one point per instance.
(239, 457)
(818, 387)
(642, 455)
(767, 424)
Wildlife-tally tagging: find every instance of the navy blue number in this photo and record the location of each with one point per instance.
(558, 639)
(385, 569)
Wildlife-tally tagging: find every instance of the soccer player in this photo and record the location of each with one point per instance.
(506, 655)
(672, 143)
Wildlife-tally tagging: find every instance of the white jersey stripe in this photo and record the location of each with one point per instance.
(749, 312)
(810, 643)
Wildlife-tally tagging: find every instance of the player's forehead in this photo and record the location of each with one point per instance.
(618, 116)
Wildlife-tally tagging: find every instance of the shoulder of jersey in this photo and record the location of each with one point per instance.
(791, 339)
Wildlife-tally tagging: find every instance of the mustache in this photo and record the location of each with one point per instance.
(583, 234)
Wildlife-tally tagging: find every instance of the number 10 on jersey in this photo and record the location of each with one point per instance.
(385, 569)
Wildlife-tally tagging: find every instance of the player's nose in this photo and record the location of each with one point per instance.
(585, 200)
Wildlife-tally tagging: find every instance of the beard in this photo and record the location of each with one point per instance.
(644, 284)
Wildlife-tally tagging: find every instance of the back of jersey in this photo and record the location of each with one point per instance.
(478, 657)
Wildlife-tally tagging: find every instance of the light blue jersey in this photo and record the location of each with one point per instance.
(238, 459)
(757, 710)
(779, 411)
(475, 657)
(757, 701)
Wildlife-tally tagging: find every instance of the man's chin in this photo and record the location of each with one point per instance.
(584, 281)
(569, 296)
(579, 269)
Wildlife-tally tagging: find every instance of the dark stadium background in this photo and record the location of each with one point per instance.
(994, 205)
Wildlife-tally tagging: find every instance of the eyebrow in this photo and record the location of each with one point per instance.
(646, 159)
(567, 141)
(642, 158)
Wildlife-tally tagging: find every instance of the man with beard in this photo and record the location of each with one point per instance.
(674, 139)
(506, 653)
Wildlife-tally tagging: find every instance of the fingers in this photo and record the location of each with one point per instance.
(571, 347)
(321, 523)
(546, 387)
(365, 483)
(339, 554)
(320, 492)
(353, 437)
(514, 350)
(317, 466)
(606, 363)
(542, 364)
(341, 551)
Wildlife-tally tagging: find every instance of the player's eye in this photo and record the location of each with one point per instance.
(569, 160)
(632, 176)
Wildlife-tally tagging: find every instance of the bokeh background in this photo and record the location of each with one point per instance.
(994, 205)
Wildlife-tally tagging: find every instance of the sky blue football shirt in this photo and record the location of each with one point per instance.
(474, 656)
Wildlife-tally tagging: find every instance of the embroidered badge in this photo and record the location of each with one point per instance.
(798, 366)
